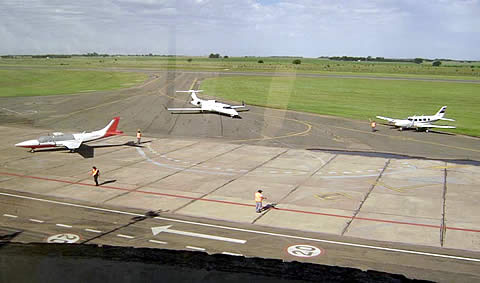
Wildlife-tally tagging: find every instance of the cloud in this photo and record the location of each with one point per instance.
(388, 28)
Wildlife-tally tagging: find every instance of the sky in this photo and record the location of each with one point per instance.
(308, 28)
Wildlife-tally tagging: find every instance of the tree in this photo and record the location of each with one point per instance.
(418, 60)
(225, 57)
(260, 61)
(436, 63)
(214, 55)
(189, 59)
(297, 61)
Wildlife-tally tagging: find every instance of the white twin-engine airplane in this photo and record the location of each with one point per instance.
(72, 141)
(210, 106)
(420, 122)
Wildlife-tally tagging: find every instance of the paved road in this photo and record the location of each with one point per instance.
(32, 217)
(144, 107)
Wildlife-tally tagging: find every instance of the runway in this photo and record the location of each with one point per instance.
(416, 215)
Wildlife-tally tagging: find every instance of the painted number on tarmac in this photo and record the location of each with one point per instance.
(304, 251)
(63, 238)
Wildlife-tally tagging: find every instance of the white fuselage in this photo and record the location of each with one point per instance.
(71, 141)
(214, 106)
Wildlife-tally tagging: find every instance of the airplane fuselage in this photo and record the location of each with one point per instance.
(71, 141)
(214, 106)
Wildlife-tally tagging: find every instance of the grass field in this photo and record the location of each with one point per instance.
(33, 82)
(356, 98)
(449, 69)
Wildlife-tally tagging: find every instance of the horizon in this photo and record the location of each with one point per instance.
(359, 28)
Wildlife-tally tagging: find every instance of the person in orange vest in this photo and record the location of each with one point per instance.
(258, 200)
(95, 174)
(139, 136)
(373, 124)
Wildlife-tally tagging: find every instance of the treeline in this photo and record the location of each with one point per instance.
(370, 58)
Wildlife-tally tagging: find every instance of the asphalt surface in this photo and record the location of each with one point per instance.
(330, 201)
(82, 224)
(143, 108)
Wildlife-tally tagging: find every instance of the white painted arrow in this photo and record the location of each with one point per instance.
(157, 230)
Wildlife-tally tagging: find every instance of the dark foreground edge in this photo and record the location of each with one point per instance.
(90, 263)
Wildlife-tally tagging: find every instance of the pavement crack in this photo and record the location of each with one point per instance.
(365, 198)
(443, 228)
(297, 186)
(230, 181)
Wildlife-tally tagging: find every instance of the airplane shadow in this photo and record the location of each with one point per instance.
(88, 151)
(107, 182)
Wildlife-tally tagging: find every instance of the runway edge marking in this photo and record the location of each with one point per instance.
(251, 231)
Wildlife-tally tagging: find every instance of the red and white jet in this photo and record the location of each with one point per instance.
(72, 141)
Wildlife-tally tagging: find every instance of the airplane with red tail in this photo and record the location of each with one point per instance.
(72, 141)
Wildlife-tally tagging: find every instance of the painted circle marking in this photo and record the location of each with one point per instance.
(63, 238)
(304, 251)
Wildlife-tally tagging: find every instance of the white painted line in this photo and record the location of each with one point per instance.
(358, 171)
(195, 248)
(92, 230)
(157, 242)
(125, 236)
(347, 172)
(36, 220)
(288, 172)
(233, 254)
(250, 231)
(333, 172)
(9, 215)
(64, 225)
(166, 229)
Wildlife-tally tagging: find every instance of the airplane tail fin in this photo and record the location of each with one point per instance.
(111, 128)
(441, 112)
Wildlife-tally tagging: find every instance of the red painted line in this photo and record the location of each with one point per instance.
(242, 204)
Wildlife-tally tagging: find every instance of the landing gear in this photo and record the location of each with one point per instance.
(32, 150)
(400, 129)
(426, 131)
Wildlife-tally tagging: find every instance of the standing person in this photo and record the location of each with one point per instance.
(373, 124)
(258, 200)
(139, 136)
(95, 174)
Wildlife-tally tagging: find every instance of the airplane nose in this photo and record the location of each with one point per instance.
(28, 143)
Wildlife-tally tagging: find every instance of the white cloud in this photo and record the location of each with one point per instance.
(389, 28)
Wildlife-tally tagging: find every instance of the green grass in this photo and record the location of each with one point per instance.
(450, 69)
(356, 98)
(35, 82)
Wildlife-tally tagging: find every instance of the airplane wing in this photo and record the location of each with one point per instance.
(426, 125)
(71, 144)
(185, 109)
(386, 118)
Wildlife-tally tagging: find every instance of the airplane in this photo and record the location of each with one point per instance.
(420, 122)
(72, 141)
(210, 106)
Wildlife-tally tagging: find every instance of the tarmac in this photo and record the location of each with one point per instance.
(208, 167)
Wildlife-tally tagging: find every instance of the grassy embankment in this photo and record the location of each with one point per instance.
(356, 98)
(34, 82)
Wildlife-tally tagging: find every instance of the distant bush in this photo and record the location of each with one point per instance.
(436, 63)
(225, 57)
(418, 60)
(297, 61)
(260, 61)
(189, 59)
(214, 55)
